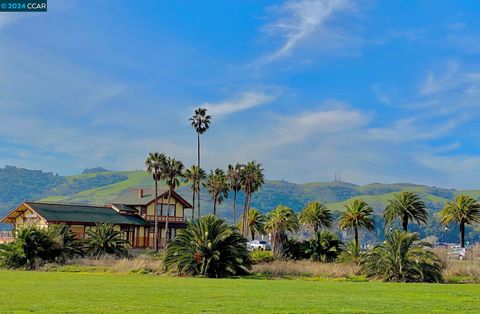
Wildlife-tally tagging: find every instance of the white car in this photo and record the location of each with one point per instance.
(457, 253)
(259, 245)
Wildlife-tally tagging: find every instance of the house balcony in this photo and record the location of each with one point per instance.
(164, 218)
(6, 236)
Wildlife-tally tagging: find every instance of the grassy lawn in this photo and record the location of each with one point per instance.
(51, 292)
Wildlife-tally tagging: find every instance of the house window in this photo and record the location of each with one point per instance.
(143, 211)
(172, 210)
(128, 233)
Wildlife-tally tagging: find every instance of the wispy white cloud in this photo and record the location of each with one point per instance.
(297, 20)
(242, 102)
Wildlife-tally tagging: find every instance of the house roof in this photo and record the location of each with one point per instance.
(132, 197)
(77, 214)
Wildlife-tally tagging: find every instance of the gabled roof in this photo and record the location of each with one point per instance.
(69, 213)
(132, 197)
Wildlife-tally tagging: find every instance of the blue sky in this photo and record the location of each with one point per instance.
(380, 91)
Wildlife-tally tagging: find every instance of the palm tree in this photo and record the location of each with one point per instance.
(195, 175)
(406, 206)
(402, 257)
(280, 221)
(217, 186)
(173, 171)
(155, 164)
(234, 176)
(255, 222)
(316, 215)
(463, 210)
(325, 247)
(209, 247)
(251, 180)
(201, 123)
(105, 240)
(357, 214)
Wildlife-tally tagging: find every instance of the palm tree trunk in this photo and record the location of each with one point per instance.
(198, 198)
(245, 215)
(193, 205)
(198, 165)
(234, 206)
(167, 233)
(215, 205)
(405, 224)
(253, 233)
(356, 236)
(462, 235)
(155, 216)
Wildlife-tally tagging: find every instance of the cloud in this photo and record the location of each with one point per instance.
(242, 102)
(298, 20)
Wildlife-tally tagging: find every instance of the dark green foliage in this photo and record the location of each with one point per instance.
(295, 250)
(65, 238)
(351, 253)
(403, 258)
(32, 248)
(105, 240)
(324, 247)
(208, 247)
(94, 170)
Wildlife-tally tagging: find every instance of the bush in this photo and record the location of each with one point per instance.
(260, 256)
(295, 250)
(403, 258)
(208, 247)
(31, 248)
(104, 240)
(351, 253)
(324, 247)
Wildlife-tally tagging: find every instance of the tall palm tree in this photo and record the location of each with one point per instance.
(155, 164)
(463, 210)
(357, 214)
(217, 186)
(200, 121)
(234, 176)
(316, 215)
(195, 175)
(173, 171)
(256, 222)
(406, 206)
(280, 221)
(251, 180)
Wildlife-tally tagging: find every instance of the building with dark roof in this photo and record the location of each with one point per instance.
(132, 213)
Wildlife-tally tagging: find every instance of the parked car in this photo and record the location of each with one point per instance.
(457, 253)
(259, 245)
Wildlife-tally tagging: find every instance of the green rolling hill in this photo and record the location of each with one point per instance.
(101, 187)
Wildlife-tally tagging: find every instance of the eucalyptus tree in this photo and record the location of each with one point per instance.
(173, 171)
(406, 206)
(217, 186)
(234, 174)
(195, 176)
(463, 210)
(200, 121)
(155, 164)
(251, 179)
(316, 215)
(279, 222)
(357, 214)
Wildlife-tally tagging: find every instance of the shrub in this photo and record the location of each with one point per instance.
(208, 247)
(402, 257)
(105, 240)
(66, 241)
(31, 248)
(294, 250)
(260, 256)
(351, 253)
(324, 247)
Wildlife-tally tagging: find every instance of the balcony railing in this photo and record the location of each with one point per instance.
(6, 236)
(164, 218)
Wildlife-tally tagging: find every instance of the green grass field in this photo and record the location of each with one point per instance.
(53, 292)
